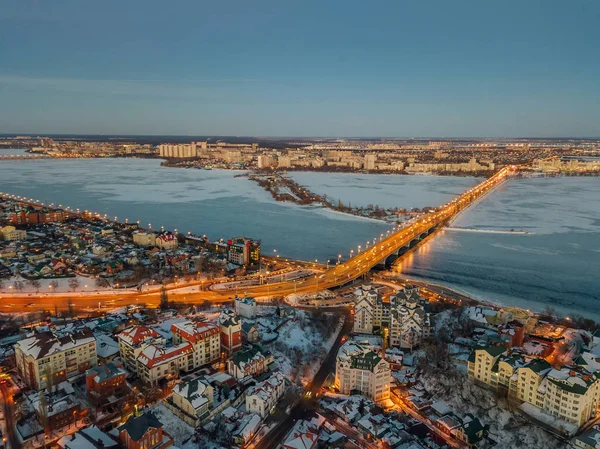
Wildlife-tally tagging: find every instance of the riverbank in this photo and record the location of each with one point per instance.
(285, 189)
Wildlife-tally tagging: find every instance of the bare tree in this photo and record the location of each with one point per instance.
(54, 284)
(35, 283)
(18, 285)
(73, 283)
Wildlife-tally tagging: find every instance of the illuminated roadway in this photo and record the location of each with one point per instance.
(335, 276)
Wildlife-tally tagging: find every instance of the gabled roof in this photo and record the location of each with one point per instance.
(137, 426)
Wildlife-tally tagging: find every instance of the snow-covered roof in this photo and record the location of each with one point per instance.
(46, 343)
(154, 355)
(195, 391)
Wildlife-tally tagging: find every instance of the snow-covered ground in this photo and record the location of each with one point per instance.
(180, 431)
(302, 345)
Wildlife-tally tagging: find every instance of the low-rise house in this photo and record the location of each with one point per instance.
(247, 362)
(262, 397)
(144, 431)
(247, 428)
(88, 438)
(106, 384)
(192, 400)
(250, 332)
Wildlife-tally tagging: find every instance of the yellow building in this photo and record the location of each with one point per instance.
(10, 233)
(482, 361)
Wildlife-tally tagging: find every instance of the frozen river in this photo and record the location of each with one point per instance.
(557, 264)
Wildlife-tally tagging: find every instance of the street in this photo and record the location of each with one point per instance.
(272, 439)
(9, 415)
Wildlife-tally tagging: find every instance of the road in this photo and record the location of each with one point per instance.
(272, 439)
(359, 264)
(9, 415)
(402, 405)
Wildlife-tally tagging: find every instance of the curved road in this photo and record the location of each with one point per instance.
(336, 276)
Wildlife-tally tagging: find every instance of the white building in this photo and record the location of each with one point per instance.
(47, 357)
(245, 307)
(263, 397)
(358, 369)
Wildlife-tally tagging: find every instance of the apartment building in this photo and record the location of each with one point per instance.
(403, 318)
(204, 338)
(46, 358)
(409, 323)
(157, 363)
(370, 311)
(360, 370)
(569, 393)
(144, 238)
(134, 340)
(481, 363)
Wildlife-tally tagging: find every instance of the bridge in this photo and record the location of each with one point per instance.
(380, 253)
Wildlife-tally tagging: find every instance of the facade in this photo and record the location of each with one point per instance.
(360, 370)
(243, 251)
(134, 340)
(144, 238)
(403, 319)
(231, 331)
(263, 397)
(204, 338)
(571, 394)
(370, 311)
(157, 363)
(192, 400)
(481, 363)
(143, 432)
(11, 234)
(409, 323)
(46, 358)
(247, 362)
(245, 307)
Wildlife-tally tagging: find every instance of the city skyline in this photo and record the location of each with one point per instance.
(455, 70)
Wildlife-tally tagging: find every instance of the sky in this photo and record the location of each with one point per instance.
(434, 68)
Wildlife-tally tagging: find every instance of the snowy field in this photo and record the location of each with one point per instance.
(404, 191)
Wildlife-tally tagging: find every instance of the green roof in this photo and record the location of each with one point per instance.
(538, 365)
(494, 350)
(366, 361)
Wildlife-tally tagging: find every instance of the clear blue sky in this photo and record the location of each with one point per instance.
(301, 68)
